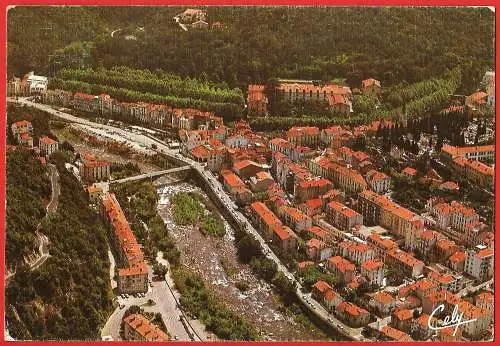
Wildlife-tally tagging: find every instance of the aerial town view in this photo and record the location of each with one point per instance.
(250, 174)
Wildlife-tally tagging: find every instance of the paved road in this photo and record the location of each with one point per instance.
(56, 189)
(213, 183)
(51, 208)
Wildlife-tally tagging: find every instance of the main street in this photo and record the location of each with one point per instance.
(214, 184)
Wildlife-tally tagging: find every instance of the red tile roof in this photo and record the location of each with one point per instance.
(47, 140)
(410, 171)
(145, 328)
(374, 264)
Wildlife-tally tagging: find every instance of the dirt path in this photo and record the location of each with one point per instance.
(216, 261)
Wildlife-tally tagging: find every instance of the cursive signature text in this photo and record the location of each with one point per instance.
(455, 320)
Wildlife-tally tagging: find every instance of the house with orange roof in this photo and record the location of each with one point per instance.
(444, 281)
(382, 302)
(449, 186)
(355, 251)
(47, 145)
(265, 220)
(343, 217)
(370, 206)
(409, 172)
(402, 319)
(312, 188)
(354, 158)
(309, 92)
(454, 215)
(236, 187)
(257, 100)
(285, 238)
(485, 300)
(378, 181)
(312, 207)
(352, 314)
(388, 333)
(433, 300)
(427, 242)
(477, 101)
(92, 170)
(331, 300)
(335, 136)
(138, 328)
(371, 87)
(296, 219)
(445, 248)
(420, 328)
(281, 145)
(95, 192)
(424, 287)
(319, 289)
(317, 250)
(404, 264)
(457, 261)
(246, 168)
(479, 173)
(341, 268)
(306, 135)
(302, 153)
(478, 152)
(381, 244)
(373, 271)
(483, 320)
(479, 263)
(321, 234)
(261, 181)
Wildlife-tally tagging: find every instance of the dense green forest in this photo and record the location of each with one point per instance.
(69, 296)
(394, 45)
(27, 185)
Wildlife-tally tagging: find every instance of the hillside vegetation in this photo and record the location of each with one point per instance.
(394, 45)
(69, 296)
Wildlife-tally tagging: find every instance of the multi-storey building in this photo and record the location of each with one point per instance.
(257, 100)
(309, 136)
(341, 268)
(479, 152)
(373, 271)
(133, 274)
(479, 263)
(356, 252)
(343, 217)
(94, 170)
(48, 146)
(139, 328)
(404, 264)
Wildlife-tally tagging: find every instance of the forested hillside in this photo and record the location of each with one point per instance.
(394, 45)
(69, 296)
(27, 185)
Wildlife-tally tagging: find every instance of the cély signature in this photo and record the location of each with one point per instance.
(455, 320)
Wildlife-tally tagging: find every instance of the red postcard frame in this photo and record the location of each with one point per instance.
(3, 50)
